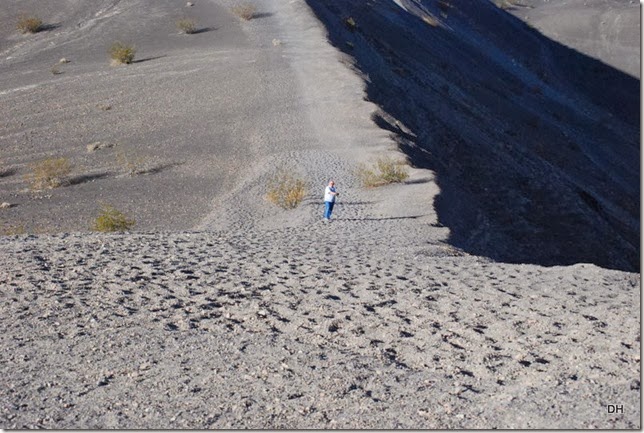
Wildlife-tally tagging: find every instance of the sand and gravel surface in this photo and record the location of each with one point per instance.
(275, 329)
(223, 311)
(604, 29)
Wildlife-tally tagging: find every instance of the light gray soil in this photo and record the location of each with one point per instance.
(224, 311)
(608, 30)
(347, 325)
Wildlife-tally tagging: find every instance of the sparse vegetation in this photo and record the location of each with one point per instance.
(187, 26)
(131, 163)
(286, 190)
(121, 53)
(111, 219)
(386, 170)
(350, 23)
(49, 173)
(12, 229)
(245, 12)
(29, 24)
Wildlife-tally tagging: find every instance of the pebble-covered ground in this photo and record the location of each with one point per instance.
(278, 329)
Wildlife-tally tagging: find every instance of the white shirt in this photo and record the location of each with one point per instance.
(327, 194)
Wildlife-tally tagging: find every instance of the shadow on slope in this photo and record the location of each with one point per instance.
(534, 145)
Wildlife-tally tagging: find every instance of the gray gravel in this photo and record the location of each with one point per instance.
(223, 311)
(273, 329)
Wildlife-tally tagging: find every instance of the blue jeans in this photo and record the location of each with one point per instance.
(328, 208)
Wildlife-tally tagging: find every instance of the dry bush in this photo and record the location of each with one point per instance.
(131, 163)
(245, 12)
(49, 173)
(12, 229)
(386, 170)
(286, 190)
(350, 24)
(187, 26)
(121, 53)
(111, 219)
(29, 24)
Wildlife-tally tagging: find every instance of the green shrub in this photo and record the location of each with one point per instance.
(49, 173)
(121, 53)
(245, 12)
(29, 24)
(386, 170)
(187, 26)
(112, 220)
(286, 190)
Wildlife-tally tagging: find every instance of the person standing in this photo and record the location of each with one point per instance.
(330, 194)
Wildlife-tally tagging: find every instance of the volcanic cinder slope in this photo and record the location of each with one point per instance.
(497, 288)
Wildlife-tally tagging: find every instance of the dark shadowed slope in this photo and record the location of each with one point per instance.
(535, 146)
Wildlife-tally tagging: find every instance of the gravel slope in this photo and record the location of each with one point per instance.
(272, 329)
(226, 312)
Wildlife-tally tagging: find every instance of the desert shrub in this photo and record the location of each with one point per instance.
(245, 12)
(49, 173)
(286, 190)
(187, 26)
(121, 53)
(111, 219)
(12, 229)
(131, 163)
(385, 171)
(350, 23)
(29, 24)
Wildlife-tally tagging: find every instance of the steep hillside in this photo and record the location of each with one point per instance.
(535, 146)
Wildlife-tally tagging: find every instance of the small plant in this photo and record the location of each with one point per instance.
(387, 170)
(29, 24)
(286, 190)
(245, 12)
(350, 24)
(111, 219)
(187, 26)
(49, 173)
(121, 53)
(12, 229)
(55, 70)
(131, 163)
